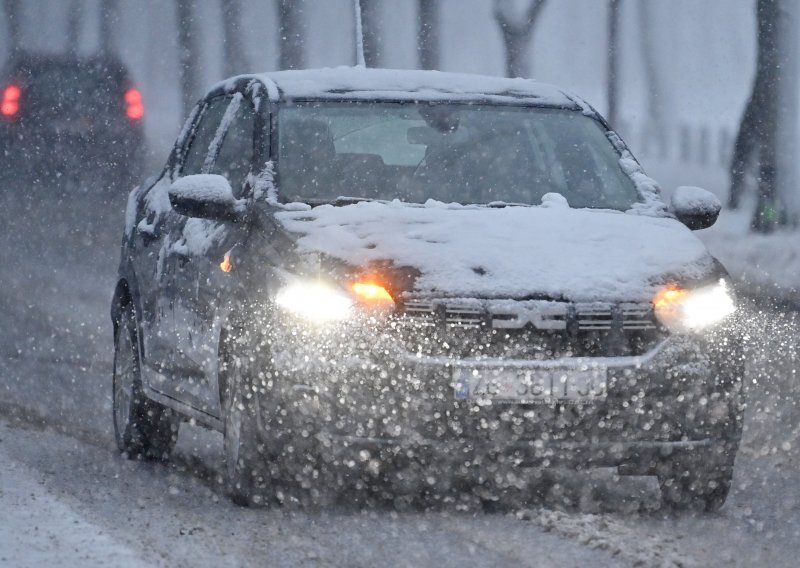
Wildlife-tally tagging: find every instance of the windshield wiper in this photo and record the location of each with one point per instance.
(501, 204)
(338, 201)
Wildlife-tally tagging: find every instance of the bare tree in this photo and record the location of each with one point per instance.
(291, 27)
(767, 13)
(109, 12)
(428, 33)
(187, 54)
(359, 34)
(612, 70)
(74, 23)
(788, 95)
(13, 14)
(371, 28)
(745, 147)
(655, 127)
(771, 122)
(517, 31)
(755, 147)
(647, 46)
(235, 59)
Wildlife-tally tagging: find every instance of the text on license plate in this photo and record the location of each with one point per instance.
(529, 385)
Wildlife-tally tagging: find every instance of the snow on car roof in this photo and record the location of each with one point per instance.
(395, 84)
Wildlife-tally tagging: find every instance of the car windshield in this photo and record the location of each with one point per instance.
(464, 153)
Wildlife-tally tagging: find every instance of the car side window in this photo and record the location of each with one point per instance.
(203, 135)
(236, 153)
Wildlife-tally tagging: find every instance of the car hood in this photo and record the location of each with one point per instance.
(508, 252)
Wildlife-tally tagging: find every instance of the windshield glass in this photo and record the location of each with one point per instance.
(447, 152)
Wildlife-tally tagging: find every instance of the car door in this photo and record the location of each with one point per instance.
(201, 278)
(155, 263)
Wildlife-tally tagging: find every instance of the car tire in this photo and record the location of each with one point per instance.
(695, 484)
(246, 461)
(700, 480)
(143, 428)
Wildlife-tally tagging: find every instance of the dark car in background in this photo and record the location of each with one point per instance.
(69, 119)
(426, 281)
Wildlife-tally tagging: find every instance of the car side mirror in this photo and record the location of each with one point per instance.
(695, 207)
(208, 196)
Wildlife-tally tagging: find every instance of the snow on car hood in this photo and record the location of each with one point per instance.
(513, 252)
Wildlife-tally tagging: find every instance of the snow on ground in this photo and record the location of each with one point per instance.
(175, 515)
(763, 265)
(767, 264)
(39, 527)
(55, 364)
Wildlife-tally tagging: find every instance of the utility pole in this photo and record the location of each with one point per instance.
(235, 61)
(291, 24)
(187, 56)
(370, 33)
(109, 11)
(612, 67)
(359, 31)
(74, 24)
(428, 33)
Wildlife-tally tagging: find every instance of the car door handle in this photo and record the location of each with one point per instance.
(147, 237)
(180, 252)
(148, 230)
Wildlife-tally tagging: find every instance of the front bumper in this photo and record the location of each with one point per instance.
(379, 404)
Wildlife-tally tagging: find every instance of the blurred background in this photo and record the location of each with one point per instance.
(705, 93)
(92, 96)
(683, 67)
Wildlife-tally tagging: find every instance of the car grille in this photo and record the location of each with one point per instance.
(527, 329)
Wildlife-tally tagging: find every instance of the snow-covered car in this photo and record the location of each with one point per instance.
(422, 280)
(65, 117)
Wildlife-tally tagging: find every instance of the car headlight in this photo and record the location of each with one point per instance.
(321, 302)
(316, 301)
(680, 309)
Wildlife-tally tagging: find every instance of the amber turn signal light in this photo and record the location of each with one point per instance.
(668, 297)
(372, 294)
(226, 265)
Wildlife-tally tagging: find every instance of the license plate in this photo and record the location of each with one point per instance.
(529, 385)
(76, 125)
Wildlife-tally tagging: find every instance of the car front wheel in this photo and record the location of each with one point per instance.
(246, 465)
(701, 480)
(695, 484)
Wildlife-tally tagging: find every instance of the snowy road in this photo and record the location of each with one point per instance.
(67, 496)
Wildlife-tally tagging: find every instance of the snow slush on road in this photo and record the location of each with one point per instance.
(418, 282)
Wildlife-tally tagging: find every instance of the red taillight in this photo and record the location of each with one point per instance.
(134, 108)
(10, 104)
